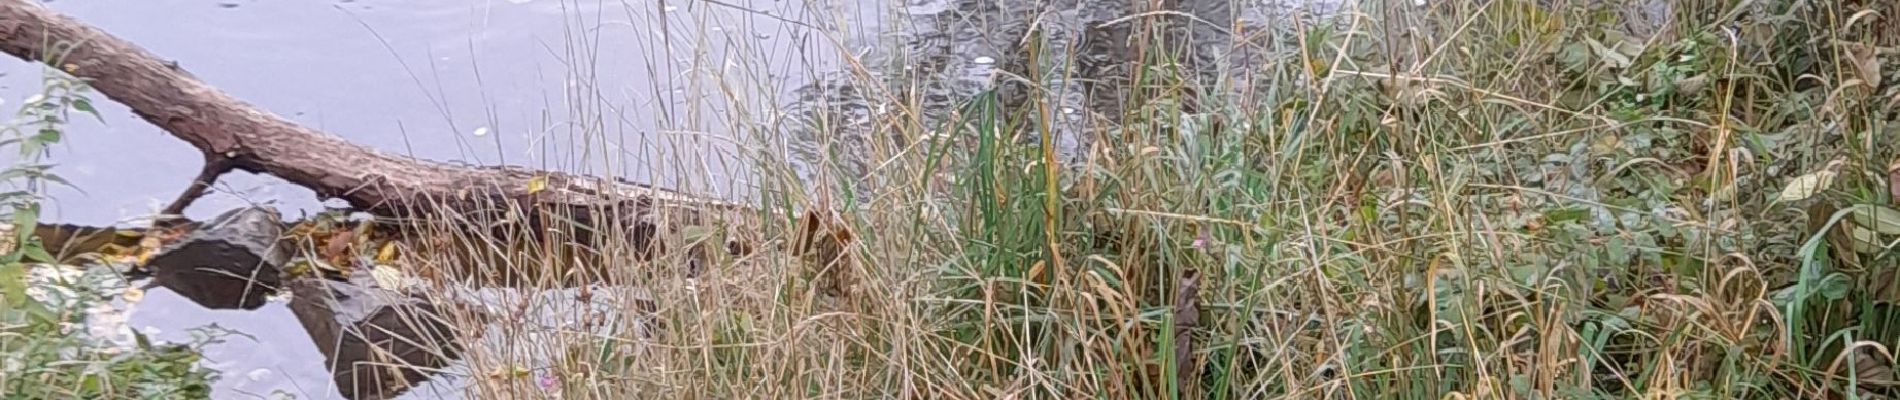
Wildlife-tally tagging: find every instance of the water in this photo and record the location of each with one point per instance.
(540, 78)
(595, 87)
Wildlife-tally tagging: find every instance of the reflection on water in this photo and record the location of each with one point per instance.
(629, 88)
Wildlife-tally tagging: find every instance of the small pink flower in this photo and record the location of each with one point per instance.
(547, 381)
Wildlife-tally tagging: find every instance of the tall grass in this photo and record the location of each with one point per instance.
(1465, 199)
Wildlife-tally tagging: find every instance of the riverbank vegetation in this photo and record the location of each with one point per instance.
(1466, 199)
(52, 344)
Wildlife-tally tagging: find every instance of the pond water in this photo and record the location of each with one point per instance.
(520, 82)
(630, 88)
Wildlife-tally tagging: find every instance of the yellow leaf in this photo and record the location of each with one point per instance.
(1805, 186)
(299, 267)
(148, 247)
(509, 371)
(387, 253)
(537, 184)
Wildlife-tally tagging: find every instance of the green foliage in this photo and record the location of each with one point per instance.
(45, 352)
(1594, 218)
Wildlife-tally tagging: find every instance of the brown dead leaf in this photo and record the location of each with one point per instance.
(338, 244)
(1187, 316)
(1867, 60)
(824, 237)
(1873, 368)
(1838, 239)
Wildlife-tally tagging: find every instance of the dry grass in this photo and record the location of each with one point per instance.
(1472, 199)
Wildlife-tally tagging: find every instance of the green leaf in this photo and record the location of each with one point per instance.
(37, 253)
(1618, 250)
(26, 219)
(1566, 214)
(1608, 55)
(13, 285)
(30, 148)
(61, 181)
(47, 136)
(1835, 286)
(84, 105)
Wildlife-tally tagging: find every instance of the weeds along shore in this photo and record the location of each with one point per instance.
(1076, 199)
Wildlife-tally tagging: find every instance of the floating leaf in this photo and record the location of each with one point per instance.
(298, 267)
(337, 247)
(1806, 186)
(148, 247)
(387, 253)
(537, 184)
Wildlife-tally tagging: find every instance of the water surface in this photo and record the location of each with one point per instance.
(627, 88)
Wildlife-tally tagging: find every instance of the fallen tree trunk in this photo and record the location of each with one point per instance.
(235, 135)
(569, 212)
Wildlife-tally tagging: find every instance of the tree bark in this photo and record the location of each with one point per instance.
(247, 138)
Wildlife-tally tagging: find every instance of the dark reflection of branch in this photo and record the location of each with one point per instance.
(377, 343)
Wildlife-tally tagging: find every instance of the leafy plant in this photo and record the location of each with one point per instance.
(45, 352)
